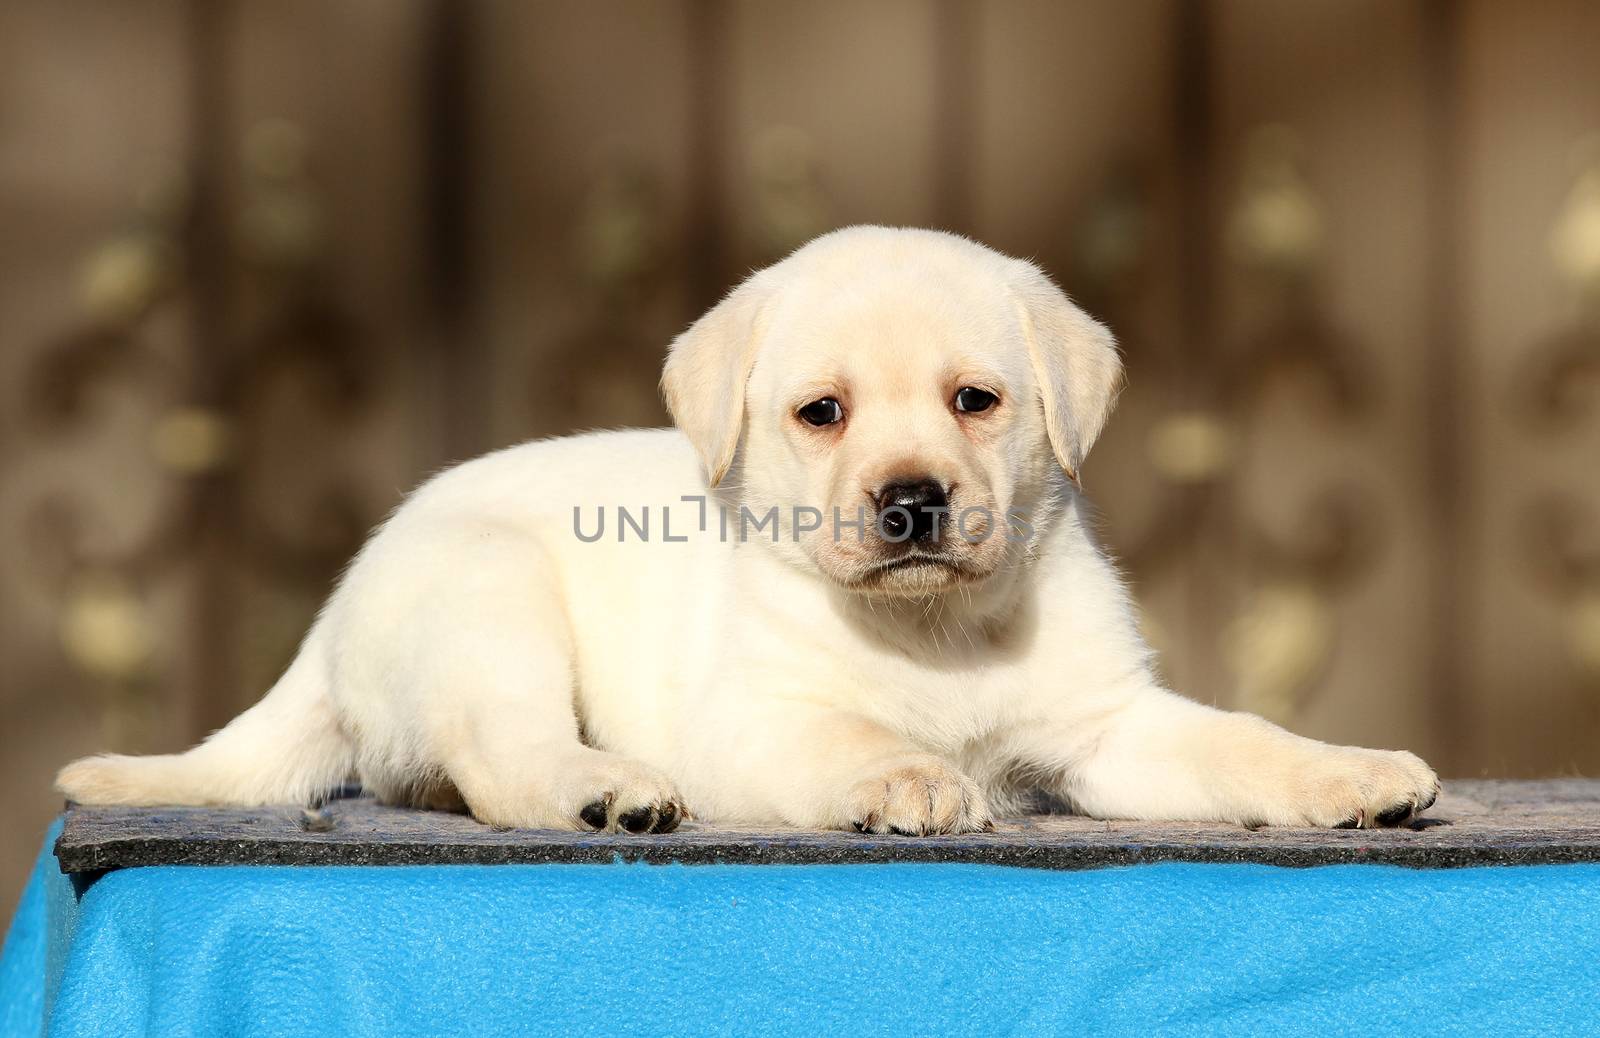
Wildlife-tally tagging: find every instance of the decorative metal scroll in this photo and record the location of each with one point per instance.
(140, 276)
(1558, 390)
(1278, 643)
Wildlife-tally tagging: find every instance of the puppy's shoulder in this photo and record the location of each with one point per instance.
(589, 468)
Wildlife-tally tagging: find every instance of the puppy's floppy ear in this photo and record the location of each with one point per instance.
(1076, 362)
(707, 367)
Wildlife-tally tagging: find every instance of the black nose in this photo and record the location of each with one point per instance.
(912, 511)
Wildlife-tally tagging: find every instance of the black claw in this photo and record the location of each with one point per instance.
(594, 816)
(1428, 802)
(902, 832)
(1395, 815)
(669, 818)
(638, 820)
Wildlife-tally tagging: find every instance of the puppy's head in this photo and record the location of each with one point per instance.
(908, 402)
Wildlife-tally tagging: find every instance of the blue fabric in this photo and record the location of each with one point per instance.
(22, 962)
(813, 951)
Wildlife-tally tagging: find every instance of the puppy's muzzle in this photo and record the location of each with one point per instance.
(912, 511)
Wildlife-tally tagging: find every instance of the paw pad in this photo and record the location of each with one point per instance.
(594, 815)
(1397, 814)
(646, 818)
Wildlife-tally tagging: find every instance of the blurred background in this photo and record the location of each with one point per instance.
(264, 265)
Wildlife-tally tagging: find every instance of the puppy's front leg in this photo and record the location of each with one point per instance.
(1155, 755)
(824, 768)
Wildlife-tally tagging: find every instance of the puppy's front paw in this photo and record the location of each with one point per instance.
(608, 813)
(585, 789)
(625, 796)
(918, 796)
(1351, 788)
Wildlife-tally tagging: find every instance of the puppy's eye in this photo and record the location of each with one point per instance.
(971, 398)
(822, 412)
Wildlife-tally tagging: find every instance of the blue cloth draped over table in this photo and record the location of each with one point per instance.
(804, 950)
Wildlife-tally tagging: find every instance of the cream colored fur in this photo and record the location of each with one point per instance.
(478, 649)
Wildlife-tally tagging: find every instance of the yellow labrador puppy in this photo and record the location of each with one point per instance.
(854, 588)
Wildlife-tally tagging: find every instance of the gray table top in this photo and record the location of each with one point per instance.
(1474, 823)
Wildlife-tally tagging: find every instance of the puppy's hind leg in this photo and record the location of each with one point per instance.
(499, 674)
